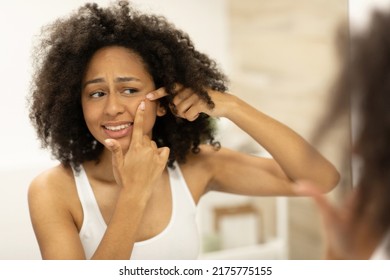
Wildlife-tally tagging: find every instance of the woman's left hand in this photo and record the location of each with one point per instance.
(188, 105)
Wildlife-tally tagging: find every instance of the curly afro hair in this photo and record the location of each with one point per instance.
(61, 58)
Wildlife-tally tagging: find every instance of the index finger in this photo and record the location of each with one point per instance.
(157, 94)
(138, 130)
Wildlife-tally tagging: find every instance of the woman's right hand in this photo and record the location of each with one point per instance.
(143, 162)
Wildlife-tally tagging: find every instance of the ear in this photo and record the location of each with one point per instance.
(161, 111)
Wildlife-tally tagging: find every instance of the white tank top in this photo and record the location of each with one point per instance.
(179, 240)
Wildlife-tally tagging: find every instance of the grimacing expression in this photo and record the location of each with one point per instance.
(115, 82)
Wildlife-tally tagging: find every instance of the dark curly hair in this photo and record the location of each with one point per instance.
(364, 84)
(168, 53)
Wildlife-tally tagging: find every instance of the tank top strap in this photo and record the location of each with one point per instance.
(91, 211)
(178, 184)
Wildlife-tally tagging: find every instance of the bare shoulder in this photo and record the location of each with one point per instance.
(199, 169)
(51, 186)
(209, 158)
(52, 178)
(212, 156)
(56, 214)
(204, 158)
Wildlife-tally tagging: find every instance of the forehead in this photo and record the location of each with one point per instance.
(116, 59)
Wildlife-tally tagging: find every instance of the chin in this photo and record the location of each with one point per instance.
(125, 145)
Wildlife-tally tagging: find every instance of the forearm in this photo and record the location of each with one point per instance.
(298, 159)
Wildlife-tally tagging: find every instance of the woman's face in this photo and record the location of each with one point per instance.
(114, 84)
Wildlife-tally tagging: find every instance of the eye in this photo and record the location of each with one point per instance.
(130, 91)
(97, 94)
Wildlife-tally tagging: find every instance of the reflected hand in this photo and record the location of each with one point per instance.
(337, 222)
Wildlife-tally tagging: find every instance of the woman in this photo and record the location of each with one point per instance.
(126, 104)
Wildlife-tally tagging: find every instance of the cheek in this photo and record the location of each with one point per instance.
(89, 114)
(92, 117)
(149, 116)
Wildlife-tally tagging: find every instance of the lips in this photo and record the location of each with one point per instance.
(117, 130)
(117, 127)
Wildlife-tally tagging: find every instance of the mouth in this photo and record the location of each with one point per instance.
(119, 130)
(117, 127)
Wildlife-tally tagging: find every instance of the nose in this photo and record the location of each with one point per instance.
(114, 105)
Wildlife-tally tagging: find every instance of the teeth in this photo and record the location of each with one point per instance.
(118, 127)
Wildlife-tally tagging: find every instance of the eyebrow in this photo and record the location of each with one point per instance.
(117, 80)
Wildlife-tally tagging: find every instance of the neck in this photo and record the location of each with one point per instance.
(101, 170)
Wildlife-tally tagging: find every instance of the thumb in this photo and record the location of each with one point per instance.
(116, 150)
(163, 154)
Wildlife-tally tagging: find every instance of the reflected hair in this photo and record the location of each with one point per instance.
(364, 82)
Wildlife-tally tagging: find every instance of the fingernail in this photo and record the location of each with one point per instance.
(109, 143)
(150, 96)
(142, 105)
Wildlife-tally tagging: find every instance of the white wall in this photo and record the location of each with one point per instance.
(20, 156)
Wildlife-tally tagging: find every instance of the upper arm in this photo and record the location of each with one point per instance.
(53, 223)
(239, 173)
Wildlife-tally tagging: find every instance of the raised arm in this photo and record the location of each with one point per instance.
(293, 157)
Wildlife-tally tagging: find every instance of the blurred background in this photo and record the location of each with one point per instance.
(280, 57)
